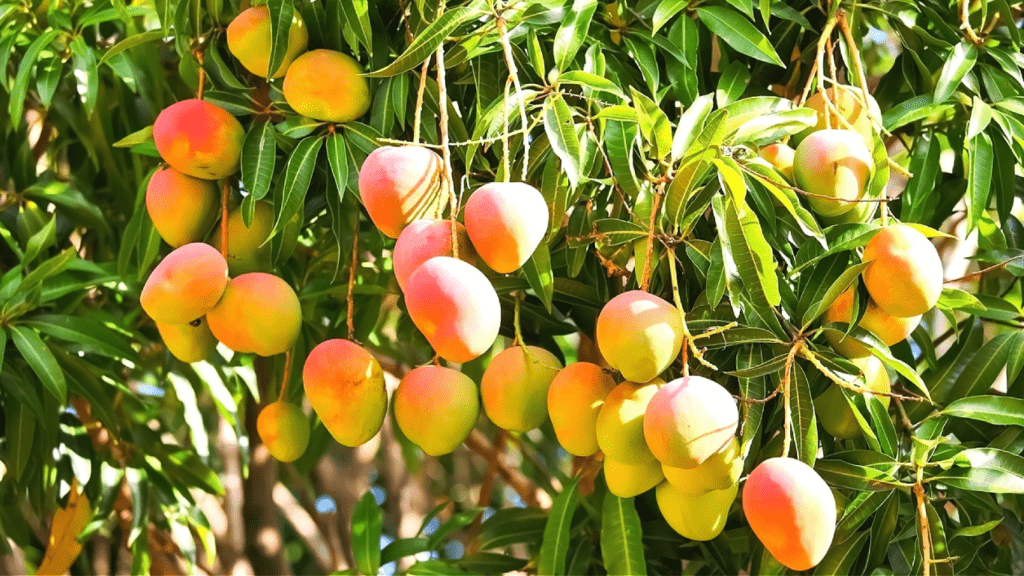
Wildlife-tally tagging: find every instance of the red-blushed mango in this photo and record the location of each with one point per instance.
(328, 86)
(425, 239)
(436, 408)
(400, 185)
(627, 480)
(780, 156)
(191, 342)
(249, 40)
(620, 423)
(834, 411)
(836, 166)
(574, 400)
(258, 313)
(888, 329)
(848, 103)
(515, 387)
(345, 386)
(200, 139)
(248, 249)
(182, 208)
(506, 222)
(455, 307)
(695, 516)
(639, 334)
(284, 429)
(791, 510)
(905, 274)
(689, 420)
(718, 472)
(185, 285)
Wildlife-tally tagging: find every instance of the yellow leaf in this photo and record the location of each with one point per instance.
(68, 522)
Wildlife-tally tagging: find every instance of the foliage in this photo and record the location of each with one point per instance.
(639, 123)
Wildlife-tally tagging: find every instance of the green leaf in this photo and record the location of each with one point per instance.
(85, 73)
(131, 42)
(654, 124)
(135, 138)
(19, 91)
(840, 558)
(917, 108)
(691, 122)
(845, 280)
(296, 181)
(573, 31)
(337, 157)
(281, 14)
(619, 139)
(960, 61)
(39, 357)
(402, 548)
(561, 131)
(665, 11)
(739, 33)
(87, 333)
(593, 81)
(732, 83)
(979, 152)
(612, 231)
(259, 152)
(801, 406)
(47, 77)
(984, 470)
(538, 273)
(701, 153)
(20, 431)
(426, 42)
(1002, 410)
(621, 546)
(366, 527)
(555, 545)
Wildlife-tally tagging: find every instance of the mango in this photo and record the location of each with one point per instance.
(345, 387)
(436, 408)
(627, 480)
(780, 156)
(182, 208)
(639, 334)
(905, 274)
(575, 399)
(284, 429)
(689, 420)
(258, 313)
(424, 239)
(847, 101)
(888, 329)
(834, 412)
(506, 222)
(515, 387)
(328, 86)
(399, 185)
(185, 285)
(835, 165)
(620, 423)
(861, 212)
(200, 139)
(699, 517)
(791, 510)
(718, 472)
(191, 342)
(249, 41)
(455, 307)
(248, 249)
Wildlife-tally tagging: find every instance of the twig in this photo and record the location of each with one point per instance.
(287, 375)
(813, 358)
(986, 270)
(645, 280)
(350, 313)
(446, 153)
(522, 485)
(926, 534)
(201, 57)
(787, 425)
(514, 73)
(505, 162)
(965, 19)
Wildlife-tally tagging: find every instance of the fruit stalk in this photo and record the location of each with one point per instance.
(446, 153)
(349, 312)
(646, 279)
(201, 57)
(287, 375)
(513, 73)
(786, 379)
(926, 535)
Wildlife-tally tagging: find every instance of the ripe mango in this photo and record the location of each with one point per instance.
(695, 516)
(455, 307)
(515, 387)
(888, 329)
(905, 274)
(182, 208)
(284, 429)
(345, 387)
(574, 400)
(639, 334)
(436, 408)
(258, 313)
(689, 420)
(506, 222)
(834, 412)
(718, 472)
(328, 86)
(399, 185)
(200, 139)
(780, 156)
(249, 41)
(628, 480)
(833, 164)
(185, 285)
(791, 510)
(847, 101)
(192, 342)
(620, 423)
(424, 239)
(248, 249)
